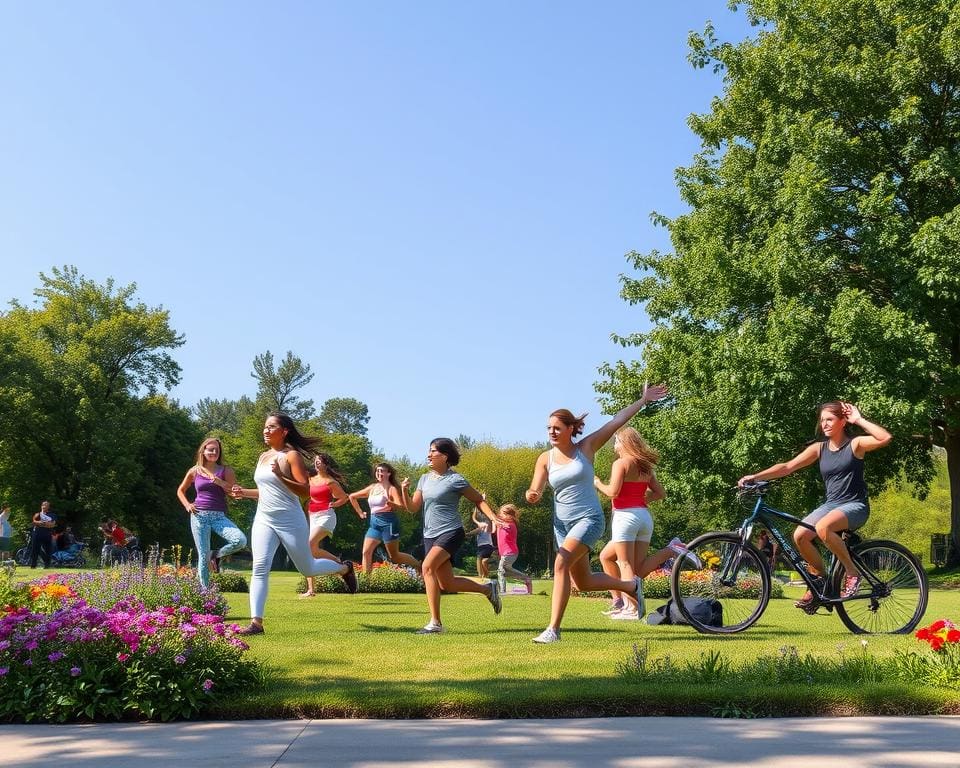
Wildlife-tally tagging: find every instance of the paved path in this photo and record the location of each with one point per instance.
(629, 742)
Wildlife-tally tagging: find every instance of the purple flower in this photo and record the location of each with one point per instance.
(179, 659)
(74, 671)
(28, 663)
(207, 684)
(56, 656)
(4, 670)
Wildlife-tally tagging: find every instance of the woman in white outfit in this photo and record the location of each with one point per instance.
(282, 480)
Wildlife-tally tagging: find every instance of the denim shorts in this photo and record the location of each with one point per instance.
(856, 513)
(484, 550)
(633, 524)
(586, 530)
(384, 527)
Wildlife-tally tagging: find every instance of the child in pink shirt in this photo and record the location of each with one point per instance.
(507, 545)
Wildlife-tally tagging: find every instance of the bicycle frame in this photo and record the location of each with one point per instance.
(762, 512)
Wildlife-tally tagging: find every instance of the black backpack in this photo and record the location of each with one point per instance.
(704, 610)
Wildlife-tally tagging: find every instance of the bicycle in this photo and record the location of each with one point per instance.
(891, 599)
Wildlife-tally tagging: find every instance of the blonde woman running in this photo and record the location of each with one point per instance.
(633, 485)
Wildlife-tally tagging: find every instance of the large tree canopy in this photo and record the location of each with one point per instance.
(75, 427)
(820, 256)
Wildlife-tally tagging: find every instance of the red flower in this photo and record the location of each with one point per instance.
(923, 634)
(953, 636)
(936, 643)
(938, 625)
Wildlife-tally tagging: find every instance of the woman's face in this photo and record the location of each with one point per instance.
(831, 424)
(436, 460)
(319, 465)
(382, 474)
(211, 451)
(558, 433)
(274, 435)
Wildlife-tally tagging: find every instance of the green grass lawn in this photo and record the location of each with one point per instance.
(357, 656)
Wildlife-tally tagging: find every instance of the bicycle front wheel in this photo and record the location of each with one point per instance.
(892, 598)
(729, 575)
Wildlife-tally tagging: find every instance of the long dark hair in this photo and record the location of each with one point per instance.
(332, 469)
(306, 446)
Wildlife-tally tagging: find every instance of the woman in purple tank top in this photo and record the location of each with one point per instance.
(211, 479)
(846, 506)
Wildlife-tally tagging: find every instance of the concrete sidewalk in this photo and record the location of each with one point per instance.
(629, 742)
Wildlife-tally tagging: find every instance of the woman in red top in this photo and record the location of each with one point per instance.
(633, 485)
(326, 494)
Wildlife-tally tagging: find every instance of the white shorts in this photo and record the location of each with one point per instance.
(634, 524)
(326, 520)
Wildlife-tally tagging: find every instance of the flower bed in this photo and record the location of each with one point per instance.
(384, 577)
(105, 646)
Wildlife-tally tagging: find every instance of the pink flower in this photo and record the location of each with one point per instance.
(207, 684)
(122, 657)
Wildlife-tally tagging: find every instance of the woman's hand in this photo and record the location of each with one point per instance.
(405, 484)
(532, 496)
(745, 480)
(191, 508)
(275, 468)
(654, 393)
(851, 413)
(236, 492)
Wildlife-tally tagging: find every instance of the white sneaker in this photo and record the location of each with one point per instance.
(494, 597)
(432, 628)
(679, 548)
(548, 636)
(627, 614)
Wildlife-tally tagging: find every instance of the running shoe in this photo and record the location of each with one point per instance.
(627, 614)
(680, 549)
(494, 597)
(350, 578)
(548, 636)
(251, 629)
(432, 628)
(851, 585)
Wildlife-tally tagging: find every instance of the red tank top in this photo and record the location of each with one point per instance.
(632, 494)
(320, 497)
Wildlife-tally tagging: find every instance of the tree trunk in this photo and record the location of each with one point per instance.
(952, 444)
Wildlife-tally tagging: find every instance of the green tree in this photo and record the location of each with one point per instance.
(345, 416)
(277, 385)
(74, 427)
(819, 256)
(222, 415)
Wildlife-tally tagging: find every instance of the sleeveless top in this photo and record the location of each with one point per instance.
(210, 496)
(842, 474)
(484, 537)
(275, 498)
(507, 539)
(574, 496)
(633, 493)
(378, 504)
(320, 496)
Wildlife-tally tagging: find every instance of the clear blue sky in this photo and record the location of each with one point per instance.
(428, 202)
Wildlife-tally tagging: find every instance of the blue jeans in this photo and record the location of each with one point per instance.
(202, 522)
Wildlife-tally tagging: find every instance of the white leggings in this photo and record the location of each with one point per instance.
(268, 533)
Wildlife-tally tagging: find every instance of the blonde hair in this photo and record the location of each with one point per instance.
(634, 447)
(509, 510)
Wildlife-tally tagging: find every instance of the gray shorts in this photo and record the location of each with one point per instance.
(856, 513)
(586, 530)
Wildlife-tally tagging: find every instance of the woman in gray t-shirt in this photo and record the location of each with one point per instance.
(438, 494)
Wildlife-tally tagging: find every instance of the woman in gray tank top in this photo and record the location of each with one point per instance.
(846, 506)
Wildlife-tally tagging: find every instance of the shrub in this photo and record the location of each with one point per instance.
(229, 581)
(385, 577)
(62, 658)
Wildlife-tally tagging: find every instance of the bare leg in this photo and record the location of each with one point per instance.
(827, 528)
(608, 561)
(396, 556)
(648, 563)
(369, 547)
(804, 540)
(432, 563)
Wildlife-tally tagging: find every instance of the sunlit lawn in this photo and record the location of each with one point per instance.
(341, 655)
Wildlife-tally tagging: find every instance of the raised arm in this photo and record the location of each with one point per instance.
(299, 480)
(595, 440)
(413, 503)
(395, 500)
(472, 494)
(876, 436)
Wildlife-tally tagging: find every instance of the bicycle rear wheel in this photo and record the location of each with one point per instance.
(896, 602)
(730, 573)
